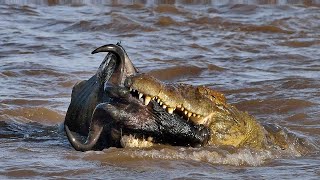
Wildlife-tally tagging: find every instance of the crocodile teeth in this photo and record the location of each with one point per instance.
(150, 139)
(170, 110)
(220, 107)
(158, 100)
(131, 89)
(182, 108)
(160, 103)
(146, 100)
(189, 114)
(140, 95)
(164, 106)
(198, 116)
(194, 115)
(185, 112)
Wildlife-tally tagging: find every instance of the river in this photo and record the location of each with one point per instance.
(263, 55)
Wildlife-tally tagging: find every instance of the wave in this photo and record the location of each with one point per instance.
(32, 114)
(117, 24)
(211, 155)
(173, 73)
(283, 106)
(165, 8)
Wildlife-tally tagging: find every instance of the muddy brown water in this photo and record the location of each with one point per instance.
(264, 55)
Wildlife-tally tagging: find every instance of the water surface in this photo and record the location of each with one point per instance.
(263, 55)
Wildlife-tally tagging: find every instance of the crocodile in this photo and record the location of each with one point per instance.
(204, 106)
(118, 106)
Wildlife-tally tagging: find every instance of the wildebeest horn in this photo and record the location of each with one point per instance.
(91, 141)
(125, 67)
(109, 48)
(101, 118)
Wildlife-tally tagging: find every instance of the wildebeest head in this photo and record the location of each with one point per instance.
(103, 109)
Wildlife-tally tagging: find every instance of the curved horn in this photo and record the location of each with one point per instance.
(110, 48)
(91, 141)
(96, 128)
(103, 117)
(125, 67)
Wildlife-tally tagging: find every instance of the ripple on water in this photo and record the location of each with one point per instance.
(19, 10)
(166, 21)
(116, 23)
(172, 73)
(171, 9)
(264, 29)
(35, 114)
(283, 106)
(21, 173)
(243, 9)
(224, 23)
(211, 155)
(299, 44)
(298, 83)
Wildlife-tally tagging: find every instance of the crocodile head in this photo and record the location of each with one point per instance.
(194, 103)
(201, 106)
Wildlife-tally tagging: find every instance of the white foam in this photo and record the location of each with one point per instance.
(214, 155)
